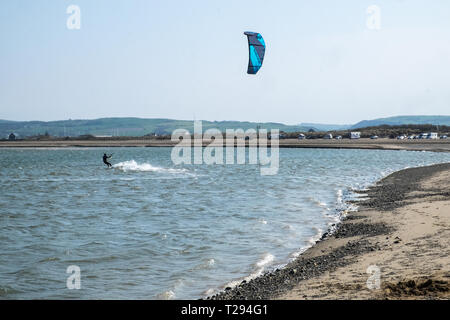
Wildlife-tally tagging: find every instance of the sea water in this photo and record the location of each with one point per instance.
(147, 229)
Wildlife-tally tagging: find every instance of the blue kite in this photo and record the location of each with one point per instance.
(256, 48)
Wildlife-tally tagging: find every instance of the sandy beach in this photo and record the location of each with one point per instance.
(399, 235)
(383, 144)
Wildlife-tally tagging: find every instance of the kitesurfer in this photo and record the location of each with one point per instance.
(105, 160)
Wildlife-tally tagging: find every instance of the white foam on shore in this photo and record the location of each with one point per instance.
(259, 268)
(311, 242)
(266, 259)
(339, 195)
(316, 237)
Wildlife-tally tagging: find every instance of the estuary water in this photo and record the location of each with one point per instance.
(149, 229)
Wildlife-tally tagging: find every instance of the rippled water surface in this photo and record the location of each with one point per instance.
(148, 229)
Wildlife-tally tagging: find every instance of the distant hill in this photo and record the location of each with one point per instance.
(126, 127)
(135, 127)
(326, 127)
(404, 120)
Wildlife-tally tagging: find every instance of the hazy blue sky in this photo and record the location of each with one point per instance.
(186, 59)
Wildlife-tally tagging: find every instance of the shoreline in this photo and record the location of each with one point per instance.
(392, 230)
(442, 145)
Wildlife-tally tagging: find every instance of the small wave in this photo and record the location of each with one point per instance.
(206, 264)
(318, 203)
(311, 242)
(316, 237)
(266, 259)
(49, 259)
(209, 292)
(295, 254)
(259, 268)
(132, 165)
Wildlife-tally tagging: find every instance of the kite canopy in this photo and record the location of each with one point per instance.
(256, 48)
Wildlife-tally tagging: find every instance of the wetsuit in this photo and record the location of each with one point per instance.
(105, 160)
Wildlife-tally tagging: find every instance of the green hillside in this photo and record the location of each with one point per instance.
(404, 120)
(135, 127)
(125, 127)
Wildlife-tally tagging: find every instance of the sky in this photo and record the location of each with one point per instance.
(188, 60)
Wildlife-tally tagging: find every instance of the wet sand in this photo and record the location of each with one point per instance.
(401, 230)
(384, 144)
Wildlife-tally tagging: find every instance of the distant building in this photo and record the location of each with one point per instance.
(355, 135)
(12, 136)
